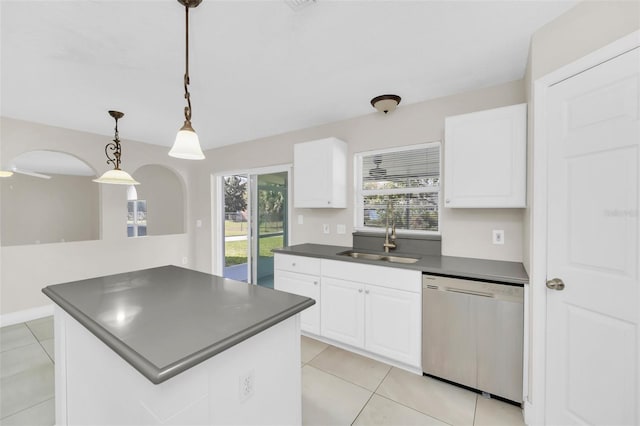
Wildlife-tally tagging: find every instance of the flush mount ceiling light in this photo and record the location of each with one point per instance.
(115, 176)
(386, 103)
(187, 144)
(5, 173)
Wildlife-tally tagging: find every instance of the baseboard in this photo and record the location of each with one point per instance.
(527, 412)
(26, 315)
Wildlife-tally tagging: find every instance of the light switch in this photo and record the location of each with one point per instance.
(300, 219)
(498, 236)
(326, 229)
(198, 223)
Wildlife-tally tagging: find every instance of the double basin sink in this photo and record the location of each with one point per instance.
(380, 257)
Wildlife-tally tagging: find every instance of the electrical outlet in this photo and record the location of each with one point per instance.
(198, 223)
(326, 228)
(185, 260)
(498, 236)
(300, 219)
(341, 229)
(246, 386)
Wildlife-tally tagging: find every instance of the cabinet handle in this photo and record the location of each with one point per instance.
(293, 264)
(328, 202)
(359, 290)
(366, 292)
(448, 201)
(315, 283)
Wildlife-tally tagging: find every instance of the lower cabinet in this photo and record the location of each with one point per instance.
(302, 285)
(381, 320)
(374, 308)
(300, 275)
(392, 320)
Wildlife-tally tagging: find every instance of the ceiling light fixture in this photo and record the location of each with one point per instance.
(386, 103)
(187, 144)
(5, 173)
(115, 176)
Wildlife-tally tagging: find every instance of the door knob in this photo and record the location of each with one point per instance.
(555, 284)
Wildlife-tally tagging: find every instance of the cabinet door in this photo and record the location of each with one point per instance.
(303, 285)
(320, 174)
(500, 328)
(485, 158)
(449, 336)
(392, 324)
(342, 311)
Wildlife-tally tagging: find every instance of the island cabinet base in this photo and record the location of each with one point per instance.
(257, 381)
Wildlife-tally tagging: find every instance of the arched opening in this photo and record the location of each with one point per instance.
(49, 199)
(159, 204)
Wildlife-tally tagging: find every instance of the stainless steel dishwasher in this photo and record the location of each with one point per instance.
(472, 334)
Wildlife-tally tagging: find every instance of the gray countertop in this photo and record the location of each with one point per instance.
(489, 270)
(165, 320)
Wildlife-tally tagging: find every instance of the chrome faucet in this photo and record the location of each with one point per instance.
(389, 240)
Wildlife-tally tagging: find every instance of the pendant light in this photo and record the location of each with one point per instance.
(187, 144)
(115, 176)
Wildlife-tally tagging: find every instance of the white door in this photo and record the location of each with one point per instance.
(342, 311)
(392, 325)
(593, 236)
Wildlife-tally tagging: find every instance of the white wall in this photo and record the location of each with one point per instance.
(464, 233)
(25, 270)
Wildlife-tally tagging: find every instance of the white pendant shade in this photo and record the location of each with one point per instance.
(187, 146)
(117, 177)
(5, 173)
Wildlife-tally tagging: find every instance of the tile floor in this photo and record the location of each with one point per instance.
(342, 388)
(338, 388)
(26, 373)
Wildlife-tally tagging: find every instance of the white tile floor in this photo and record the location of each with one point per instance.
(26, 373)
(338, 388)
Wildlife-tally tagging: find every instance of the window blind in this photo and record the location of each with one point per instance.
(403, 187)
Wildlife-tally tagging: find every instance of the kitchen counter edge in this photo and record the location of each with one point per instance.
(462, 267)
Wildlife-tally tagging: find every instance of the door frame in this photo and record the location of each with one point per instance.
(217, 198)
(535, 396)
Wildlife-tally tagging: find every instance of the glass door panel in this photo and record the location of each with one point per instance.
(270, 225)
(236, 228)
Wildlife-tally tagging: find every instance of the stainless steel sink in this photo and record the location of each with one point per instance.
(380, 257)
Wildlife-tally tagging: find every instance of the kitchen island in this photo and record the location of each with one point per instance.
(173, 346)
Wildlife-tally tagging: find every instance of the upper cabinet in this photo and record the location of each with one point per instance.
(485, 158)
(320, 174)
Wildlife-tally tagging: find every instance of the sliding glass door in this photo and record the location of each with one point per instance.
(255, 222)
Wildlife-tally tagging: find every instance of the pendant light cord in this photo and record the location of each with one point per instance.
(187, 95)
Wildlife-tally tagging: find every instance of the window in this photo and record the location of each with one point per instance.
(405, 179)
(136, 214)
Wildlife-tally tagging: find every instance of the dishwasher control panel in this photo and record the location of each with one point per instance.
(474, 288)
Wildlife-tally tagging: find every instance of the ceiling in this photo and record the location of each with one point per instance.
(258, 68)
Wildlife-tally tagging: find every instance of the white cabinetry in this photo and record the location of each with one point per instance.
(342, 311)
(374, 308)
(485, 158)
(320, 174)
(300, 275)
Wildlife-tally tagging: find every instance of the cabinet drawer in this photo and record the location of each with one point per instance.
(395, 278)
(300, 264)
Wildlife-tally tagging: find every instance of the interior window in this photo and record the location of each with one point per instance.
(401, 185)
(136, 214)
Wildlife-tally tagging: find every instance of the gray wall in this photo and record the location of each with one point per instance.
(34, 210)
(162, 189)
(464, 232)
